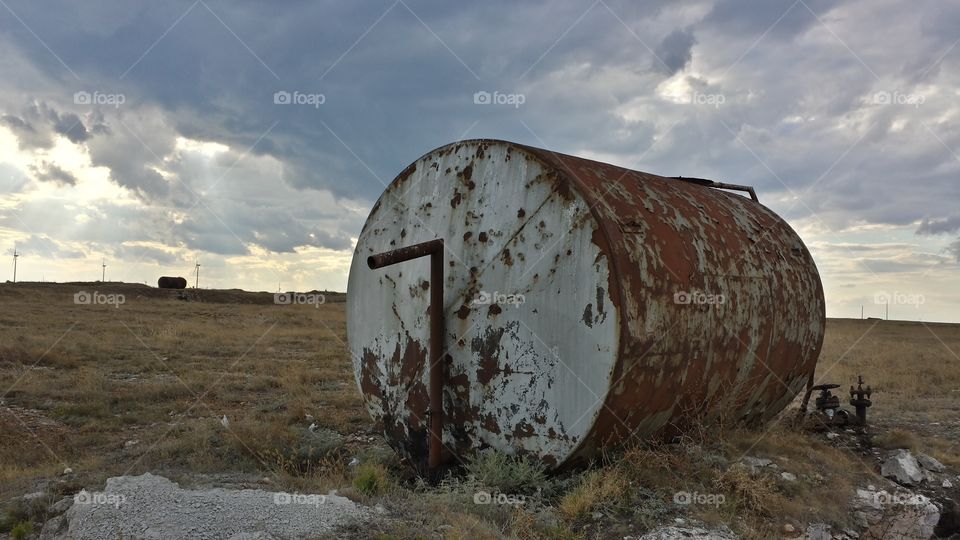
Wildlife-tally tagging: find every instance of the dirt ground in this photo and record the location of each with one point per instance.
(227, 388)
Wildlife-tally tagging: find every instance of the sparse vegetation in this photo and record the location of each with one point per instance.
(265, 393)
(371, 480)
(507, 474)
(21, 530)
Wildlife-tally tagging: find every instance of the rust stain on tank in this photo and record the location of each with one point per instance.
(624, 243)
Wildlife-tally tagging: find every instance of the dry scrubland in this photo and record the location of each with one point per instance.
(144, 387)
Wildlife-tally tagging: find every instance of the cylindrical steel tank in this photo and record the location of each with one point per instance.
(584, 304)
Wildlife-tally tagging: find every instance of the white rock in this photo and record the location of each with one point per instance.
(947, 483)
(68, 470)
(832, 435)
(225, 421)
(903, 468)
(789, 477)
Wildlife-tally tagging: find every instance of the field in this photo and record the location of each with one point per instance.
(225, 388)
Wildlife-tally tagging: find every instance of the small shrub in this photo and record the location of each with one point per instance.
(897, 438)
(371, 479)
(21, 530)
(507, 474)
(756, 494)
(319, 444)
(597, 488)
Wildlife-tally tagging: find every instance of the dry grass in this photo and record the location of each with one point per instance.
(596, 489)
(109, 391)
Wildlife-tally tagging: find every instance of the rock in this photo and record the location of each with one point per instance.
(818, 531)
(789, 477)
(60, 506)
(131, 443)
(832, 435)
(947, 483)
(903, 468)
(929, 463)
(596, 515)
(689, 532)
(32, 496)
(789, 529)
(68, 470)
(757, 464)
(902, 514)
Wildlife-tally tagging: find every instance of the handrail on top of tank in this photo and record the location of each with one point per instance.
(719, 185)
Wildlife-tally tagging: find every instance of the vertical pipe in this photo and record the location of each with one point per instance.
(436, 357)
(433, 248)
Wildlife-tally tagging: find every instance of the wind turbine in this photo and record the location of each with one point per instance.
(196, 284)
(103, 276)
(15, 255)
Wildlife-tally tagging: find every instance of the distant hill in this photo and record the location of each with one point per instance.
(133, 290)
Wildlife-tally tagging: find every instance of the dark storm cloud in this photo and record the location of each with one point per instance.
(50, 172)
(939, 226)
(794, 120)
(676, 50)
(37, 123)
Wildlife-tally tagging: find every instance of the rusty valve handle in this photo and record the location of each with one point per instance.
(433, 248)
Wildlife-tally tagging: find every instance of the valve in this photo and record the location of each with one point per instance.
(826, 402)
(860, 399)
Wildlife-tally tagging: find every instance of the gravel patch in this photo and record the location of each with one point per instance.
(152, 507)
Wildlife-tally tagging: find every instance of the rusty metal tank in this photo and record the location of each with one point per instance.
(583, 304)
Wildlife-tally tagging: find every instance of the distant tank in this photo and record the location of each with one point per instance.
(583, 304)
(167, 282)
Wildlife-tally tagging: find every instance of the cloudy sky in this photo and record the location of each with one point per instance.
(149, 133)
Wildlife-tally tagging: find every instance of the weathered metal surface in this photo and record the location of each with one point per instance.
(584, 304)
(434, 250)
